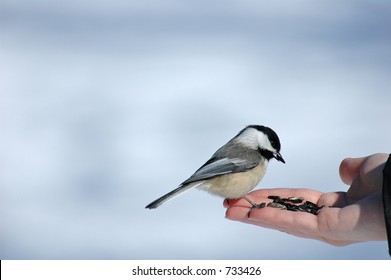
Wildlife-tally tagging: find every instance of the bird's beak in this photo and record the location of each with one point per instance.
(278, 157)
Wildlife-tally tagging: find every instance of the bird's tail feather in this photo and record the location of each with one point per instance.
(171, 195)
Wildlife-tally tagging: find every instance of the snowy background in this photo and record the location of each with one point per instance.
(107, 105)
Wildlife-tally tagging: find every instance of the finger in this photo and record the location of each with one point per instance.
(228, 202)
(349, 168)
(296, 223)
(335, 199)
(369, 178)
(323, 227)
(261, 195)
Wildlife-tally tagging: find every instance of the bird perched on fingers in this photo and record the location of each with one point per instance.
(234, 169)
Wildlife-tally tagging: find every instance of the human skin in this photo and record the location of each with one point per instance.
(351, 216)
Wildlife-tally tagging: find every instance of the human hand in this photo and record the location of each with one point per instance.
(349, 217)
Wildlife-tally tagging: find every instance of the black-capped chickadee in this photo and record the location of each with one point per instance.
(234, 169)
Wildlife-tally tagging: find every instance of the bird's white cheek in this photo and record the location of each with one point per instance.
(237, 184)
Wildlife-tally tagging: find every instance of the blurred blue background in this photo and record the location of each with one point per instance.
(106, 105)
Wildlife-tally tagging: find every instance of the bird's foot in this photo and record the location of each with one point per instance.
(253, 205)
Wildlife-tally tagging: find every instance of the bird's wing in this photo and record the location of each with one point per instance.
(216, 167)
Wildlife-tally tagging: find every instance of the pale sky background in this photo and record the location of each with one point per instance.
(107, 105)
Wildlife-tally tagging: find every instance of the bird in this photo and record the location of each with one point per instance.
(234, 169)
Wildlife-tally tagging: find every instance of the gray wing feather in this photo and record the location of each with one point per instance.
(222, 162)
(214, 167)
(219, 167)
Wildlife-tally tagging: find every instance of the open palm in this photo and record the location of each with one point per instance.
(348, 217)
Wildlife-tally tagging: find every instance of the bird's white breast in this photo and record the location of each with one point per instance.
(236, 185)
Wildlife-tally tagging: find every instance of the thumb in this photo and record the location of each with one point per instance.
(363, 174)
(349, 168)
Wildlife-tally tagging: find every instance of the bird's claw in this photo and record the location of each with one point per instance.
(255, 206)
